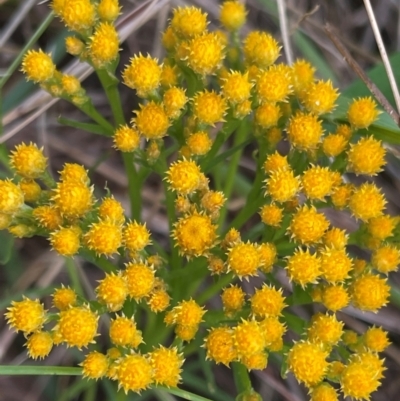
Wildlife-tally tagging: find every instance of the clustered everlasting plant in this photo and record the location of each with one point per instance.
(213, 94)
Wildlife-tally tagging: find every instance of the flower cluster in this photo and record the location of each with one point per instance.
(208, 86)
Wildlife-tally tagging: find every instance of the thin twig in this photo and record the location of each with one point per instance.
(283, 24)
(383, 53)
(360, 72)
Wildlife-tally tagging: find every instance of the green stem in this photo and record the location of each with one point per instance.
(91, 112)
(183, 394)
(134, 186)
(241, 376)
(73, 275)
(31, 41)
(232, 170)
(36, 370)
(214, 288)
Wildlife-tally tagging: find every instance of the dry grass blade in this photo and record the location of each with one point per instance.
(363, 76)
(40, 101)
(283, 24)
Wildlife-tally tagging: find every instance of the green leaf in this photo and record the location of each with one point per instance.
(35, 370)
(294, 322)
(93, 128)
(6, 248)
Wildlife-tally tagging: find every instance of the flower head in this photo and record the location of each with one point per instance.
(308, 226)
(74, 172)
(174, 101)
(303, 267)
(362, 112)
(104, 237)
(248, 338)
(376, 339)
(232, 15)
(335, 297)
(236, 87)
(27, 315)
(95, 365)
(112, 291)
(140, 280)
(320, 97)
(188, 313)
(334, 144)
(220, 346)
(38, 66)
(64, 297)
(205, 53)
(194, 234)
(152, 120)
(274, 84)
(104, 44)
(142, 74)
(261, 49)
(271, 215)
(367, 202)
(244, 259)
(282, 185)
(232, 299)
(326, 329)
(78, 15)
(112, 210)
(267, 115)
(199, 143)
(335, 264)
(267, 302)
(66, 240)
(324, 392)
(48, 217)
(159, 300)
(77, 326)
(369, 292)
(134, 373)
(28, 160)
(298, 362)
(304, 131)
(386, 259)
(188, 22)
(302, 76)
(317, 182)
(123, 332)
(209, 107)
(108, 10)
(166, 364)
(11, 197)
(39, 344)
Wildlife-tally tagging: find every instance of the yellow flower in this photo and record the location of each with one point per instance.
(267, 302)
(112, 210)
(74, 172)
(317, 182)
(244, 259)
(48, 217)
(335, 265)
(184, 176)
(299, 358)
(302, 75)
(38, 66)
(324, 392)
(367, 156)
(39, 344)
(341, 195)
(169, 39)
(386, 259)
(358, 381)
(71, 85)
(308, 226)
(268, 253)
(186, 333)
(104, 237)
(104, 44)
(205, 53)
(335, 297)
(220, 346)
(367, 202)
(303, 267)
(28, 160)
(304, 131)
(142, 74)
(73, 198)
(136, 236)
(126, 139)
(320, 97)
(248, 338)
(282, 185)
(27, 315)
(362, 112)
(236, 87)
(64, 297)
(166, 364)
(212, 201)
(112, 291)
(232, 299)
(335, 238)
(158, 301)
(78, 15)
(274, 84)
(134, 373)
(188, 313)
(274, 162)
(334, 144)
(232, 15)
(257, 361)
(369, 292)
(376, 339)
(261, 49)
(195, 235)
(5, 221)
(95, 365)
(74, 46)
(151, 120)
(199, 143)
(31, 190)
(381, 227)
(188, 22)
(77, 326)
(108, 10)
(216, 265)
(271, 215)
(123, 332)
(174, 101)
(273, 331)
(267, 115)
(140, 280)
(66, 240)
(209, 107)
(325, 328)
